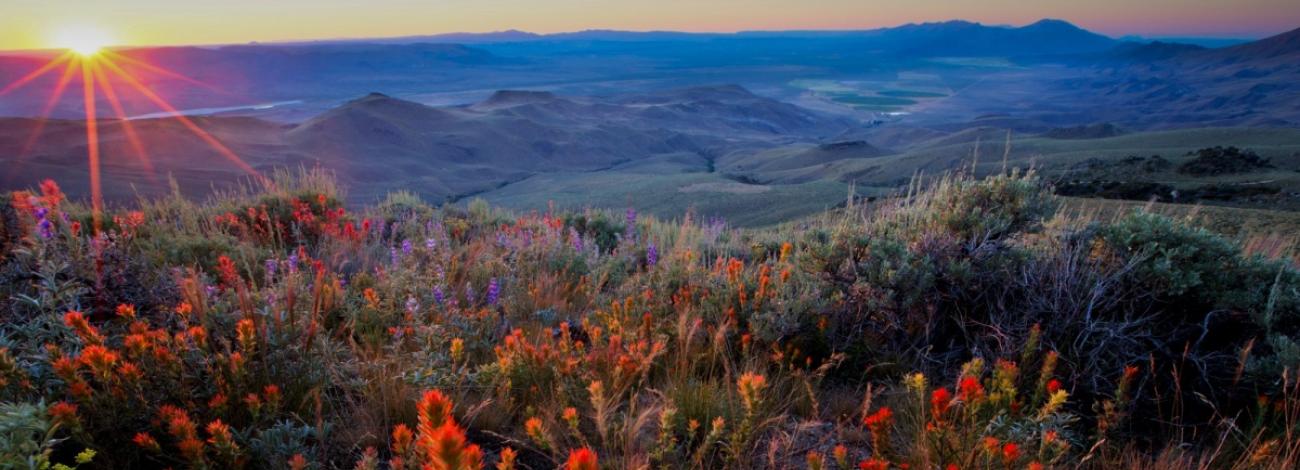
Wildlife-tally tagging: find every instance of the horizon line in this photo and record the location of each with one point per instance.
(308, 41)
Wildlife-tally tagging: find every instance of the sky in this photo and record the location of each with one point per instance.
(35, 24)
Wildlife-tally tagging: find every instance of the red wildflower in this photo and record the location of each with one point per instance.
(873, 464)
(1053, 386)
(581, 459)
(82, 327)
(940, 402)
(98, 359)
(126, 311)
(433, 410)
(1010, 453)
(146, 441)
(297, 462)
(51, 195)
(402, 438)
(446, 449)
(970, 390)
(64, 413)
(227, 271)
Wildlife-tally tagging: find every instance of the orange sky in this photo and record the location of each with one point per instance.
(28, 24)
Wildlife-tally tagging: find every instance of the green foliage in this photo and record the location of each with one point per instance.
(267, 327)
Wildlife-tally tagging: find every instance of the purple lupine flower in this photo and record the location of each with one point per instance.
(501, 239)
(406, 247)
(651, 255)
(631, 216)
(441, 273)
(431, 243)
(576, 238)
(293, 263)
(271, 264)
(493, 291)
(437, 294)
(412, 306)
(43, 222)
(469, 293)
(211, 290)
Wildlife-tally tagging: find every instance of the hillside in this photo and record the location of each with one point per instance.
(378, 143)
(974, 320)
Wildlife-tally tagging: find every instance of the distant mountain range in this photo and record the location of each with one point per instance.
(519, 116)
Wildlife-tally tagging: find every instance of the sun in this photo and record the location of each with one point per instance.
(84, 40)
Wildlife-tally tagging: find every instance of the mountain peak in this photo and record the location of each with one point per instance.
(1054, 23)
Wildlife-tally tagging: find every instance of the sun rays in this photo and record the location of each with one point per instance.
(98, 69)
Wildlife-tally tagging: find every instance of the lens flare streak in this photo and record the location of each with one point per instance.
(95, 68)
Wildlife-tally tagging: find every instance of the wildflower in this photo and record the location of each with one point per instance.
(437, 294)
(65, 414)
(254, 403)
(651, 255)
(430, 243)
(1053, 385)
(82, 327)
(227, 271)
(126, 311)
(220, 435)
(533, 427)
(369, 460)
(271, 265)
(457, 349)
(816, 461)
(297, 462)
(371, 297)
(570, 416)
(1010, 453)
(406, 247)
(146, 442)
(991, 444)
(402, 438)
(129, 372)
(293, 263)
(582, 459)
(218, 401)
(412, 305)
(432, 411)
(99, 359)
(1035, 466)
(271, 393)
(51, 194)
(751, 387)
(841, 455)
(969, 390)
(1054, 402)
(507, 462)
(940, 402)
(43, 223)
(493, 292)
(879, 423)
(191, 448)
(446, 449)
(246, 334)
(873, 464)
(785, 251)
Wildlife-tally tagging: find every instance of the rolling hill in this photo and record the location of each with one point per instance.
(378, 143)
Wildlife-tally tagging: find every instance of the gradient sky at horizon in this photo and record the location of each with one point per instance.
(33, 24)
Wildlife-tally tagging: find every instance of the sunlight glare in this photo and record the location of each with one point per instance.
(85, 40)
